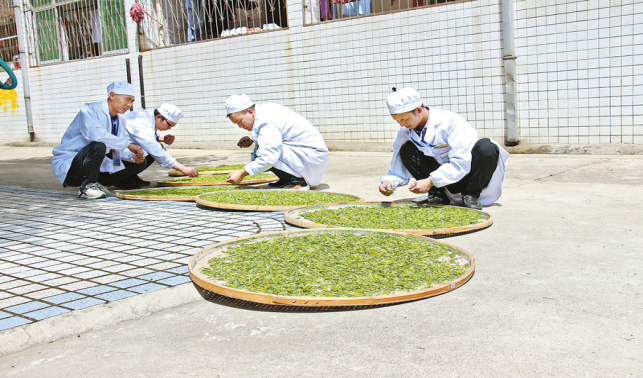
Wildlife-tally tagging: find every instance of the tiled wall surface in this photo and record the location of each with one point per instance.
(577, 73)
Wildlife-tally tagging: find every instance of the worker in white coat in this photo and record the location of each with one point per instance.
(287, 144)
(441, 150)
(95, 148)
(143, 127)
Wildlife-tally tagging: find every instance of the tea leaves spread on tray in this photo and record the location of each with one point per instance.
(181, 192)
(278, 198)
(218, 178)
(336, 265)
(395, 217)
(221, 168)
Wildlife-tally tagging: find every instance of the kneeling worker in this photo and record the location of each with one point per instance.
(287, 144)
(95, 148)
(143, 126)
(441, 150)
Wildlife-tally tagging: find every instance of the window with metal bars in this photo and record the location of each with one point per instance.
(62, 30)
(318, 11)
(173, 22)
(8, 36)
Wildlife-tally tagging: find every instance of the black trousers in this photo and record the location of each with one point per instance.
(85, 168)
(86, 165)
(484, 159)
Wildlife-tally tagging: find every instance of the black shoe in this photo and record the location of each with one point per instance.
(471, 202)
(137, 179)
(127, 184)
(278, 184)
(436, 196)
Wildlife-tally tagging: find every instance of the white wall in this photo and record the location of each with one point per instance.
(578, 81)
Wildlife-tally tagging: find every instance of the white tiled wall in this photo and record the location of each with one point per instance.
(580, 74)
(578, 81)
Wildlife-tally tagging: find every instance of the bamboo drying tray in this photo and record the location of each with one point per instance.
(230, 206)
(294, 217)
(176, 173)
(201, 258)
(125, 194)
(214, 183)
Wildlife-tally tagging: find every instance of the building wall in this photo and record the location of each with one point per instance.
(577, 77)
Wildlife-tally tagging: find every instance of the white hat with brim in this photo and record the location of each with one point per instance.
(121, 88)
(170, 112)
(237, 103)
(404, 100)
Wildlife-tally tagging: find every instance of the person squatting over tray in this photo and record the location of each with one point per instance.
(441, 150)
(143, 127)
(286, 144)
(95, 151)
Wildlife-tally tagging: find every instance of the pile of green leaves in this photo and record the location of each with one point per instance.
(279, 198)
(396, 217)
(336, 265)
(218, 178)
(182, 192)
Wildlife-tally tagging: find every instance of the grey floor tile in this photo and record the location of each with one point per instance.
(147, 288)
(107, 279)
(46, 313)
(26, 289)
(115, 295)
(26, 307)
(156, 276)
(127, 283)
(44, 293)
(90, 274)
(136, 272)
(62, 298)
(83, 303)
(78, 285)
(60, 281)
(176, 280)
(13, 301)
(11, 322)
(96, 290)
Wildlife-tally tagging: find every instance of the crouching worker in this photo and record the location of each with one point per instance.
(441, 150)
(143, 127)
(286, 144)
(95, 148)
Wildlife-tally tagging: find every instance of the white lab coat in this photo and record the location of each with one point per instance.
(449, 139)
(92, 124)
(287, 141)
(141, 128)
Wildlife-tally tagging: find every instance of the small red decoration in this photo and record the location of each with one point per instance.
(137, 13)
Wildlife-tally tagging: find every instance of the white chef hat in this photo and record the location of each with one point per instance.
(121, 88)
(404, 100)
(170, 112)
(237, 103)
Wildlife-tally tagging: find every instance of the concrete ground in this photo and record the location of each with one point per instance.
(558, 291)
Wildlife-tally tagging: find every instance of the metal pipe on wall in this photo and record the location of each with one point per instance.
(512, 135)
(24, 67)
(129, 77)
(140, 75)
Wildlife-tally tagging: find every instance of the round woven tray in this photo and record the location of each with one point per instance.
(201, 258)
(230, 206)
(294, 217)
(214, 183)
(202, 173)
(124, 194)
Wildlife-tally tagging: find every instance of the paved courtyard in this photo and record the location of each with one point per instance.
(59, 253)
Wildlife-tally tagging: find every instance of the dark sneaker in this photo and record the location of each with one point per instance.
(127, 184)
(471, 202)
(278, 184)
(137, 179)
(91, 191)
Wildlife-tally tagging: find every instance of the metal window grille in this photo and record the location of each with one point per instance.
(318, 11)
(173, 22)
(62, 30)
(8, 36)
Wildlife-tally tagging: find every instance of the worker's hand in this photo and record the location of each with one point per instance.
(236, 176)
(421, 186)
(188, 171)
(386, 188)
(245, 142)
(139, 156)
(168, 139)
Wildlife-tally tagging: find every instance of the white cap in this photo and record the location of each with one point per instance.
(170, 112)
(121, 88)
(237, 103)
(404, 100)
